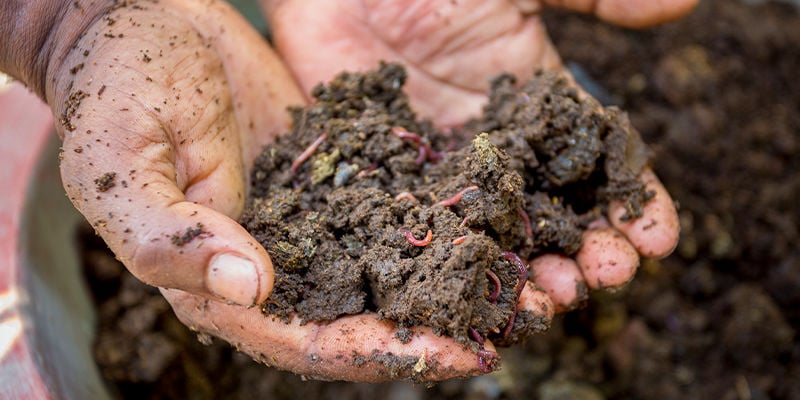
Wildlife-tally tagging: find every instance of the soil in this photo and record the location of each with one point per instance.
(341, 201)
(716, 95)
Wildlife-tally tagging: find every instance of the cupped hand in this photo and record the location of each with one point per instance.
(451, 49)
(162, 107)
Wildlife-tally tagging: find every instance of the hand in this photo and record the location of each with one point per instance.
(163, 106)
(451, 49)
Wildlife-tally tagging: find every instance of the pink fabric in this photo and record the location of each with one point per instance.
(25, 126)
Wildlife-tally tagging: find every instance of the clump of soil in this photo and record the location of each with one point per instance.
(360, 212)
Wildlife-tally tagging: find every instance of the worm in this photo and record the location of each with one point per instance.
(523, 277)
(451, 201)
(497, 286)
(486, 360)
(407, 196)
(459, 240)
(475, 336)
(308, 152)
(417, 242)
(526, 220)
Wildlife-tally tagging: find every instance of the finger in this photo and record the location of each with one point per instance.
(606, 258)
(561, 279)
(537, 302)
(261, 86)
(152, 158)
(164, 237)
(437, 41)
(629, 13)
(655, 234)
(353, 348)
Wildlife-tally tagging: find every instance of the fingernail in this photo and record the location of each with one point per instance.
(233, 278)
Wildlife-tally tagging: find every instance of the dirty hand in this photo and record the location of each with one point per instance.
(451, 49)
(162, 106)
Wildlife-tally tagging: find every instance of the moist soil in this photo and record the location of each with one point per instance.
(717, 97)
(360, 213)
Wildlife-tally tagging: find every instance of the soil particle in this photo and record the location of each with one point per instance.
(342, 244)
(396, 367)
(105, 182)
(198, 231)
(71, 106)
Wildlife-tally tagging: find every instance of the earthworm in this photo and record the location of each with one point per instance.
(364, 172)
(464, 222)
(475, 336)
(496, 281)
(407, 196)
(459, 240)
(423, 154)
(526, 220)
(417, 242)
(425, 150)
(308, 152)
(486, 360)
(523, 277)
(451, 201)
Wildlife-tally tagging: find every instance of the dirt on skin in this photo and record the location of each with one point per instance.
(361, 213)
(717, 96)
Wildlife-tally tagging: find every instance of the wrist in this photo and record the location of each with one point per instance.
(39, 34)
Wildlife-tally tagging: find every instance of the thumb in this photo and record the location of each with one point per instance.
(162, 237)
(161, 188)
(628, 13)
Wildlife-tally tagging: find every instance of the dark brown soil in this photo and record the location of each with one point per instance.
(345, 222)
(717, 93)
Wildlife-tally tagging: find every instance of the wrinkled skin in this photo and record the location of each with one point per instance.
(183, 94)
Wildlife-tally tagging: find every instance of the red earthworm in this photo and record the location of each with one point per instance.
(403, 134)
(407, 196)
(308, 152)
(523, 278)
(475, 336)
(464, 222)
(451, 201)
(365, 171)
(423, 154)
(497, 286)
(526, 220)
(425, 150)
(417, 242)
(486, 360)
(459, 240)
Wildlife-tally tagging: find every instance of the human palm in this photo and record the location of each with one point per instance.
(451, 50)
(164, 106)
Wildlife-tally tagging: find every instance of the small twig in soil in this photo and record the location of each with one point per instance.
(308, 152)
(417, 242)
(451, 201)
(497, 285)
(523, 277)
(407, 196)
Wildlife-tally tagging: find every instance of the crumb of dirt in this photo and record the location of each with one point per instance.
(105, 182)
(71, 109)
(181, 239)
(360, 212)
(415, 368)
